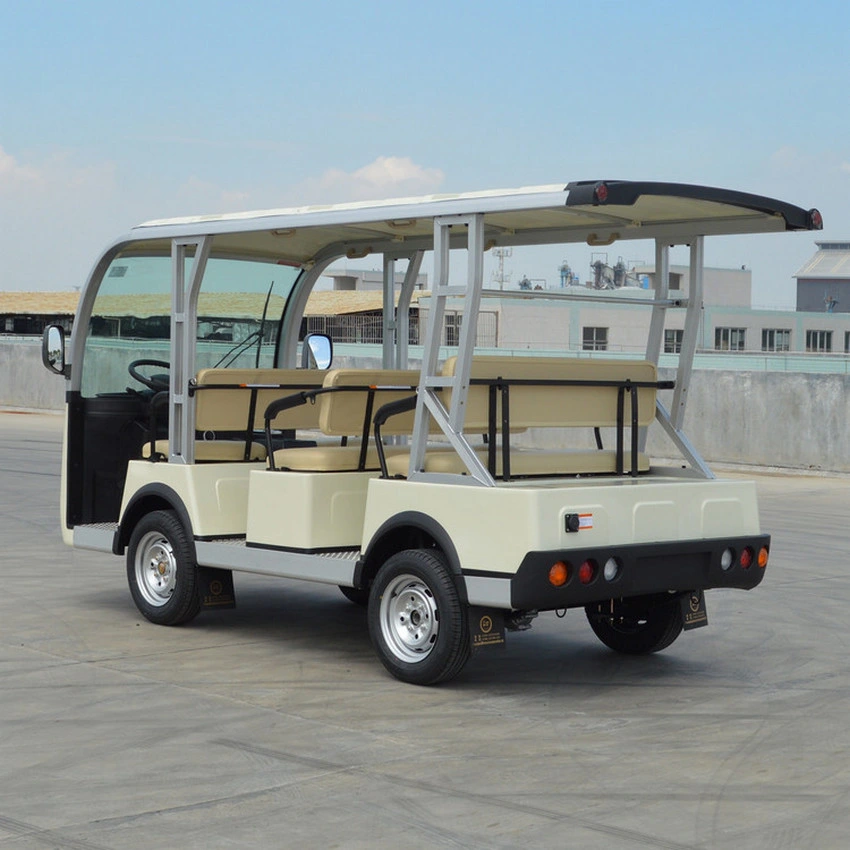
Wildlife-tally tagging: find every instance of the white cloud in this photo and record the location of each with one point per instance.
(12, 172)
(386, 176)
(56, 213)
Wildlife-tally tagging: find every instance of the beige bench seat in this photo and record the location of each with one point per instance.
(350, 398)
(587, 397)
(542, 393)
(223, 403)
(526, 462)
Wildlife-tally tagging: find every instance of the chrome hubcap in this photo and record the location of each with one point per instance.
(410, 620)
(156, 569)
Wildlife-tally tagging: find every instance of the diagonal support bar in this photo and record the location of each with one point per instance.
(430, 403)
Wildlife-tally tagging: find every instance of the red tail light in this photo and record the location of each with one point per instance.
(587, 572)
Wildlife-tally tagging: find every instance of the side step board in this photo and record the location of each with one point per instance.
(234, 554)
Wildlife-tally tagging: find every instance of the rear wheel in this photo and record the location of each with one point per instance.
(636, 626)
(417, 623)
(161, 570)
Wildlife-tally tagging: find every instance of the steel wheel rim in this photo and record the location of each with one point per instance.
(156, 569)
(410, 620)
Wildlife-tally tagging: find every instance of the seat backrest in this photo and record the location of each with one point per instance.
(558, 406)
(342, 413)
(228, 409)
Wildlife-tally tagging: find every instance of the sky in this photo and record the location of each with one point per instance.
(113, 113)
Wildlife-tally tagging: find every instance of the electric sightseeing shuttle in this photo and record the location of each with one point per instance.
(207, 433)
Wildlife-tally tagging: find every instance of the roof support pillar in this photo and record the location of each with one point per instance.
(433, 388)
(184, 322)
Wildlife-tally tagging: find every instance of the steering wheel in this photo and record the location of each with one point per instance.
(157, 383)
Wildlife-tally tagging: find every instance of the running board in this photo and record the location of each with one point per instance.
(234, 554)
(97, 536)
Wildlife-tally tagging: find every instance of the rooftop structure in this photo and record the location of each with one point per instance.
(823, 284)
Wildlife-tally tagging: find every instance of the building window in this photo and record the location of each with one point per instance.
(847, 342)
(818, 340)
(730, 339)
(453, 321)
(673, 341)
(776, 339)
(594, 339)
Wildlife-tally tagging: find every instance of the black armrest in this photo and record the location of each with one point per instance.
(386, 411)
(277, 407)
(160, 399)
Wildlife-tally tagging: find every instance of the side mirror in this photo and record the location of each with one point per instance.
(317, 352)
(53, 349)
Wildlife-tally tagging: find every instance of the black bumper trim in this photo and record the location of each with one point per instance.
(645, 568)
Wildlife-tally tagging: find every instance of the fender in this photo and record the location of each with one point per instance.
(386, 538)
(158, 497)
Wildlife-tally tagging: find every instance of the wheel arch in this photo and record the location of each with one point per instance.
(151, 497)
(409, 530)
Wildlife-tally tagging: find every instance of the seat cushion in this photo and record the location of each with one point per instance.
(330, 458)
(208, 450)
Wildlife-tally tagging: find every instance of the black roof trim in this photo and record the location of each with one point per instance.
(627, 192)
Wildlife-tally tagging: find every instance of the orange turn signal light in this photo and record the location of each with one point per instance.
(559, 573)
(763, 554)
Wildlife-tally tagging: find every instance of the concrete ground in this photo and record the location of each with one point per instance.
(274, 726)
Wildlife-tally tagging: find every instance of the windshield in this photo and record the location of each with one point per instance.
(239, 310)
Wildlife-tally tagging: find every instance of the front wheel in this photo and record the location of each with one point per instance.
(161, 570)
(417, 623)
(636, 626)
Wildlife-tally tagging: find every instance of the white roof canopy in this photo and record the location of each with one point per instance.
(596, 212)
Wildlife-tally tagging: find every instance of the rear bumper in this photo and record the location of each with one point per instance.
(643, 569)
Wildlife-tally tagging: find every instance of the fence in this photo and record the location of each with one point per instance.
(763, 418)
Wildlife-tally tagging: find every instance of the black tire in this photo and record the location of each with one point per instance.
(161, 570)
(357, 595)
(417, 622)
(636, 626)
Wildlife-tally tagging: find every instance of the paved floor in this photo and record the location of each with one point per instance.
(274, 726)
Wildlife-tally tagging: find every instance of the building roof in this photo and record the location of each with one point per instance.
(39, 303)
(336, 302)
(832, 261)
(236, 305)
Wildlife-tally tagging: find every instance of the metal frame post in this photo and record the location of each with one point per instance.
(403, 309)
(389, 318)
(673, 420)
(690, 335)
(184, 321)
(655, 340)
(428, 402)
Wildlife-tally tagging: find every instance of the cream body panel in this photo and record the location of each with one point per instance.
(214, 494)
(307, 510)
(493, 528)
